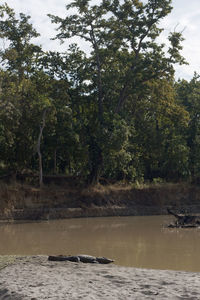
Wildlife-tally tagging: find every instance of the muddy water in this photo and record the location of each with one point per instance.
(132, 241)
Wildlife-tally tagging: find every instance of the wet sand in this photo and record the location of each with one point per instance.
(35, 277)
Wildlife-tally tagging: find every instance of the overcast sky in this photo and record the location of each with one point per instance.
(185, 16)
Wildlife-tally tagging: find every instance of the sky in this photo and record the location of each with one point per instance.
(185, 17)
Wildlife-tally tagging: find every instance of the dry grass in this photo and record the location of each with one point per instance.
(22, 196)
(124, 186)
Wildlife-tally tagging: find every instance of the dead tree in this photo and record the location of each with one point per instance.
(184, 220)
(38, 146)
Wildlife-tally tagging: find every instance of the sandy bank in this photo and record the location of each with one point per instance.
(38, 278)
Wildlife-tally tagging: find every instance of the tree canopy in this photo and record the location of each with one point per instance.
(115, 111)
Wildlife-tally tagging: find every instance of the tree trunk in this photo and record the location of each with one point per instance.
(55, 161)
(38, 148)
(96, 162)
(40, 169)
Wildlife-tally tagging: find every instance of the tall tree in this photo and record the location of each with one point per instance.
(124, 56)
(19, 55)
(20, 95)
(188, 95)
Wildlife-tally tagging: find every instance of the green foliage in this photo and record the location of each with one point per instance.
(188, 95)
(114, 112)
(125, 56)
(20, 55)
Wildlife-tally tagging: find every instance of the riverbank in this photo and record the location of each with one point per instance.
(37, 278)
(25, 202)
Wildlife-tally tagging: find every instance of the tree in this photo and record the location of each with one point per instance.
(22, 99)
(124, 57)
(62, 136)
(112, 111)
(161, 124)
(20, 55)
(188, 95)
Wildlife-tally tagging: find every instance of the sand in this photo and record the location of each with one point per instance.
(37, 278)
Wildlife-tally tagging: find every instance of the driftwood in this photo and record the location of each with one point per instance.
(184, 220)
(81, 258)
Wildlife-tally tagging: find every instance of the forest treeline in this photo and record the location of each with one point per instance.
(115, 111)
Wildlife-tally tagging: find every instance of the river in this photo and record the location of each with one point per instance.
(142, 242)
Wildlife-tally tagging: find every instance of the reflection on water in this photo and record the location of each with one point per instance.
(131, 241)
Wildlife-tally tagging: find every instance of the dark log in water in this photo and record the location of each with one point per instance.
(184, 220)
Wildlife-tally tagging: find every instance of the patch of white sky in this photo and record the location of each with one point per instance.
(185, 17)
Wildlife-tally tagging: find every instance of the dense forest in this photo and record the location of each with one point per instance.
(115, 112)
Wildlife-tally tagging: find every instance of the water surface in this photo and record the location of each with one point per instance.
(142, 242)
